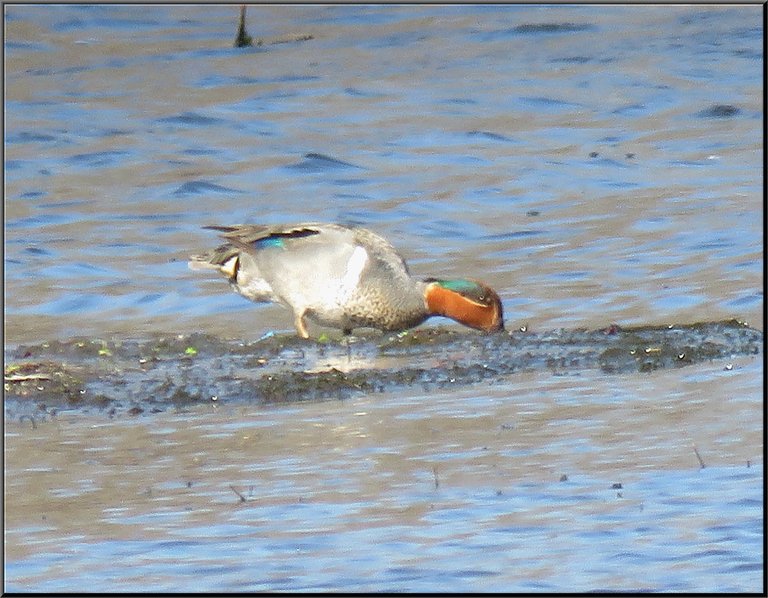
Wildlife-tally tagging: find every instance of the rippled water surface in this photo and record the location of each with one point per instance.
(538, 483)
(593, 164)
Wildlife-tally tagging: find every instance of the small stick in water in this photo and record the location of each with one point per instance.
(698, 456)
(242, 498)
(243, 40)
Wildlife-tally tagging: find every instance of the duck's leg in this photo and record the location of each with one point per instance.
(347, 333)
(301, 326)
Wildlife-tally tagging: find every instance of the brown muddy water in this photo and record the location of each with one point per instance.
(600, 167)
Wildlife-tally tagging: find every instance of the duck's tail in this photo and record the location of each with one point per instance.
(223, 259)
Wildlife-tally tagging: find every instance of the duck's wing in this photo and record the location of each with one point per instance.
(382, 252)
(251, 237)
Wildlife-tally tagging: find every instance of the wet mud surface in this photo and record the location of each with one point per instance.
(153, 375)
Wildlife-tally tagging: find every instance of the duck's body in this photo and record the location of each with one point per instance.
(342, 277)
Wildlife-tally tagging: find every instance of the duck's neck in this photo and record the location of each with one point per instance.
(467, 302)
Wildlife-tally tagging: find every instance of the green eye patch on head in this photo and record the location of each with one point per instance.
(467, 288)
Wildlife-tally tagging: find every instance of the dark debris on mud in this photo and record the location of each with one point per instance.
(133, 377)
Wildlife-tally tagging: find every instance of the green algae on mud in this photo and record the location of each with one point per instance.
(151, 375)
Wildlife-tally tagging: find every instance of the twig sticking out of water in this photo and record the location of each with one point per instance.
(243, 40)
(698, 456)
(437, 479)
(242, 497)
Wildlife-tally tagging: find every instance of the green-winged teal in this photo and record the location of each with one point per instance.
(342, 277)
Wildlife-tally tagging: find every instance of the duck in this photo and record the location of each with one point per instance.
(342, 277)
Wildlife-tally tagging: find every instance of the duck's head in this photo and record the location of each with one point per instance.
(469, 302)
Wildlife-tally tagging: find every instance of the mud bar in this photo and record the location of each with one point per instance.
(172, 371)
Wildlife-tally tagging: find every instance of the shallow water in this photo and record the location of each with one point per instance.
(573, 167)
(594, 165)
(448, 490)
